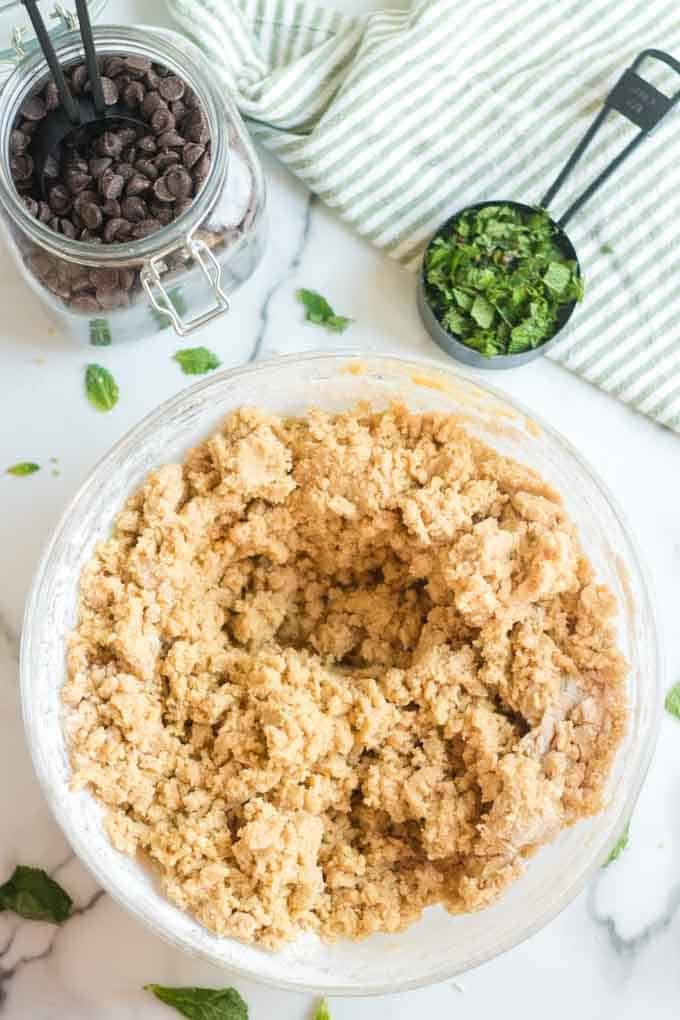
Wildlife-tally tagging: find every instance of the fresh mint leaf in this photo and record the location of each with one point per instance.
(24, 467)
(497, 280)
(318, 311)
(197, 360)
(32, 894)
(672, 702)
(606, 249)
(619, 846)
(203, 1003)
(322, 1011)
(100, 387)
(482, 311)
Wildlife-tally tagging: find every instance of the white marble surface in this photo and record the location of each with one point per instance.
(614, 952)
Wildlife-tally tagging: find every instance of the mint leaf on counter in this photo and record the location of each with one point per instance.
(33, 895)
(197, 360)
(203, 1003)
(619, 846)
(318, 311)
(24, 467)
(672, 702)
(322, 1011)
(100, 387)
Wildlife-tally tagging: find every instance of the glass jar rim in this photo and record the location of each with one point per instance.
(110, 40)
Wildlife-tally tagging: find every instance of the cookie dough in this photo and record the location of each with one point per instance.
(335, 668)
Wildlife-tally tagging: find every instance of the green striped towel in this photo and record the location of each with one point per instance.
(397, 118)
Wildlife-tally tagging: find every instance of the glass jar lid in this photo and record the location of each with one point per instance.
(17, 37)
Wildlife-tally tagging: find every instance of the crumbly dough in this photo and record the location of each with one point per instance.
(335, 668)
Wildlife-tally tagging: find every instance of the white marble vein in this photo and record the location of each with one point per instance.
(614, 953)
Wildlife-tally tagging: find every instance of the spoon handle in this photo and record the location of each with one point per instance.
(91, 58)
(639, 102)
(43, 37)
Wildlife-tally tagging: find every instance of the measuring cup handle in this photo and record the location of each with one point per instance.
(639, 102)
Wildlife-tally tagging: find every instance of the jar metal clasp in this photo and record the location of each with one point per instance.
(151, 278)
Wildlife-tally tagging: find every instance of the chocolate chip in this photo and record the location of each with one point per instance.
(152, 101)
(179, 182)
(110, 91)
(59, 199)
(196, 128)
(171, 88)
(110, 299)
(133, 208)
(191, 153)
(111, 208)
(113, 66)
(85, 302)
(44, 212)
(171, 140)
(91, 215)
(148, 168)
(165, 216)
(52, 99)
(166, 159)
(31, 205)
(28, 127)
(109, 144)
(152, 78)
(182, 205)
(191, 100)
(117, 229)
(202, 169)
(99, 164)
(127, 278)
(127, 135)
(111, 184)
(137, 66)
(21, 167)
(78, 182)
(19, 142)
(125, 170)
(67, 228)
(78, 79)
(51, 168)
(34, 108)
(147, 145)
(137, 185)
(85, 196)
(162, 120)
(133, 94)
(178, 110)
(146, 228)
(161, 190)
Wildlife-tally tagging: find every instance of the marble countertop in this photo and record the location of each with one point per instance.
(614, 952)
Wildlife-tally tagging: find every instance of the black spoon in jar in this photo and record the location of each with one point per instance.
(639, 102)
(76, 118)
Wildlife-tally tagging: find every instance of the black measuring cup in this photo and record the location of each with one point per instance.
(642, 104)
(75, 118)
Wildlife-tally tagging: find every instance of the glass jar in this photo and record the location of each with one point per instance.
(180, 276)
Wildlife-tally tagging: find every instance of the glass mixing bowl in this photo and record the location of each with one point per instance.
(440, 945)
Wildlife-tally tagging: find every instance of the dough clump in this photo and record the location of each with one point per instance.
(336, 668)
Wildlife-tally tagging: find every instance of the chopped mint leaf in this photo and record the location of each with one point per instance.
(619, 846)
(24, 467)
(100, 333)
(557, 277)
(32, 894)
(203, 1003)
(322, 1011)
(100, 388)
(606, 249)
(197, 360)
(318, 311)
(497, 280)
(672, 702)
